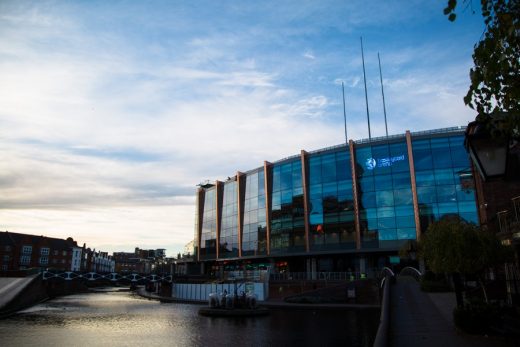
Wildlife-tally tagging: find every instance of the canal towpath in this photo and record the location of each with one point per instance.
(426, 319)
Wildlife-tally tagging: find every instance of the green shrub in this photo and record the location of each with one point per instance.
(475, 318)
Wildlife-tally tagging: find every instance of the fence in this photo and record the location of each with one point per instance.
(324, 276)
(201, 291)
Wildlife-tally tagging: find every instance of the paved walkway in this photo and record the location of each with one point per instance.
(425, 319)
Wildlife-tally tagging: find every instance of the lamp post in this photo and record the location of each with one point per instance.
(489, 154)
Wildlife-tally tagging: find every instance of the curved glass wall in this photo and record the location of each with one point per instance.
(287, 212)
(208, 236)
(331, 206)
(228, 228)
(385, 195)
(444, 179)
(254, 229)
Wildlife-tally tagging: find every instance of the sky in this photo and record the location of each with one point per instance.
(111, 112)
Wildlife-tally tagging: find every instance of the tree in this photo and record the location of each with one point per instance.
(456, 247)
(494, 91)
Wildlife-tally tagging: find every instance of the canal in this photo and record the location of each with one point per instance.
(117, 318)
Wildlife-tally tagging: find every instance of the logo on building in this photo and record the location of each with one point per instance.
(372, 163)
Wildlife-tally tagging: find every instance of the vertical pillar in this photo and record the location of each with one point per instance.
(240, 208)
(355, 192)
(305, 199)
(200, 216)
(416, 211)
(267, 188)
(218, 210)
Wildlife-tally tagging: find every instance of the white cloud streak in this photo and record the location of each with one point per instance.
(109, 117)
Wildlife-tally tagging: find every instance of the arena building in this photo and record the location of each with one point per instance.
(342, 208)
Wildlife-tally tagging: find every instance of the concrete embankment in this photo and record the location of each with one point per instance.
(17, 293)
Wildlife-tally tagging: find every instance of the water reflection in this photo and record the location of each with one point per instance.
(123, 319)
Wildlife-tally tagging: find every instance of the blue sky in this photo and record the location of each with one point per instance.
(111, 112)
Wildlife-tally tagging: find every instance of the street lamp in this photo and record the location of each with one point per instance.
(489, 154)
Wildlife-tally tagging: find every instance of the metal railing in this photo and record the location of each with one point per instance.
(317, 276)
(411, 271)
(111, 276)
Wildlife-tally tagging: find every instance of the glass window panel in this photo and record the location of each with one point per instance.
(314, 170)
(261, 215)
(330, 204)
(386, 223)
(406, 234)
(276, 178)
(369, 213)
(385, 212)
(447, 208)
(403, 197)
(343, 171)
(380, 151)
(383, 182)
(405, 222)
(368, 200)
(261, 182)
(446, 193)
(331, 218)
(444, 176)
(366, 184)
(385, 198)
(403, 211)
(277, 198)
(330, 189)
(441, 158)
(362, 156)
(401, 180)
(298, 222)
(328, 168)
(345, 203)
(286, 177)
(345, 188)
(465, 194)
(424, 178)
(261, 201)
(459, 156)
(346, 216)
(469, 206)
(426, 195)
(286, 196)
(400, 163)
(387, 234)
(315, 191)
(422, 159)
(253, 185)
(372, 224)
(315, 219)
(316, 206)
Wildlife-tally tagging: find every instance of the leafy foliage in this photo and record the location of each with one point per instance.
(494, 91)
(452, 245)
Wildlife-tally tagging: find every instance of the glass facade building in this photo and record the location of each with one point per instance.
(347, 206)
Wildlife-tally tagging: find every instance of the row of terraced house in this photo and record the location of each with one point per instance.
(22, 251)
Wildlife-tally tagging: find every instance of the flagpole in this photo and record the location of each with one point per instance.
(366, 94)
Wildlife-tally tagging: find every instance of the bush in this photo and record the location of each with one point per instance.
(475, 318)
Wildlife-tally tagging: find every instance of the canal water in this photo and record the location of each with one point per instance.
(115, 318)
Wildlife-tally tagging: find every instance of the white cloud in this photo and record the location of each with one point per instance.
(109, 118)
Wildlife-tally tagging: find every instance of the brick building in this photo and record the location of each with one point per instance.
(22, 251)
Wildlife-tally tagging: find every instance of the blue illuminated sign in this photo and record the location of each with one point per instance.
(372, 163)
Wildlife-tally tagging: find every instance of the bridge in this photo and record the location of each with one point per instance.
(110, 276)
